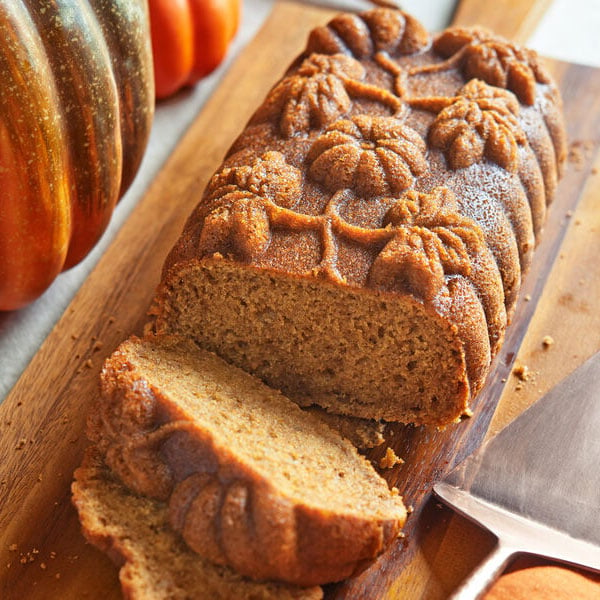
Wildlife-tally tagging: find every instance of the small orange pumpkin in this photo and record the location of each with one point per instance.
(189, 39)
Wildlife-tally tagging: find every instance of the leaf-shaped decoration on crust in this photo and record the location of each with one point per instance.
(375, 156)
(430, 241)
(314, 96)
(363, 35)
(241, 229)
(485, 56)
(238, 223)
(480, 122)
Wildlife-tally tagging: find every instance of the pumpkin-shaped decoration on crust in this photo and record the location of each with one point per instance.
(479, 122)
(75, 113)
(484, 56)
(430, 241)
(364, 35)
(241, 199)
(375, 156)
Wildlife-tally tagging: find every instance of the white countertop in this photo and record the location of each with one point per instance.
(568, 31)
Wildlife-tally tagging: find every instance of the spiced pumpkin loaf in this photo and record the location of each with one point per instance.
(155, 564)
(252, 481)
(362, 245)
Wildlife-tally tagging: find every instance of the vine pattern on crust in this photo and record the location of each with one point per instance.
(421, 240)
(482, 55)
(319, 92)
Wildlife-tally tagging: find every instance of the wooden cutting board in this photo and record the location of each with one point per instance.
(42, 553)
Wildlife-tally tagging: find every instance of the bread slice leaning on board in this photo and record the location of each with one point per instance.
(155, 564)
(361, 248)
(252, 481)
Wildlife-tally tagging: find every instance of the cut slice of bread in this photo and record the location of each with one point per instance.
(155, 563)
(252, 481)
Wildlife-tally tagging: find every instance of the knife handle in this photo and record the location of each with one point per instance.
(486, 573)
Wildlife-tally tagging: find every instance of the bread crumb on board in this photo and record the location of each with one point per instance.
(390, 459)
(547, 341)
(522, 372)
(578, 152)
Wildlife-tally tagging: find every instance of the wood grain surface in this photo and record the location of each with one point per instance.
(42, 553)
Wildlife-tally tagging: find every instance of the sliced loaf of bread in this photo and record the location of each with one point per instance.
(363, 243)
(252, 481)
(155, 563)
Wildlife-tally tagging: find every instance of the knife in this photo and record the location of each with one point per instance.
(536, 485)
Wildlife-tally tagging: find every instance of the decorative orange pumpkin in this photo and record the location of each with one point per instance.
(75, 114)
(189, 39)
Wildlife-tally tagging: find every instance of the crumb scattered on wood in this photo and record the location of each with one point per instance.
(29, 557)
(390, 459)
(579, 151)
(522, 372)
(547, 341)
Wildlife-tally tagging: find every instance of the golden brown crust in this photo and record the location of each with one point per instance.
(374, 114)
(224, 506)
